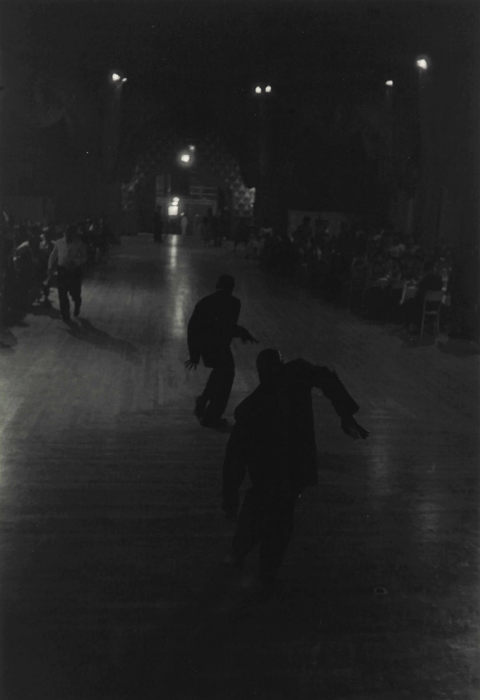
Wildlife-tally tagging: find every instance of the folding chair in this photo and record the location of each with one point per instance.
(431, 309)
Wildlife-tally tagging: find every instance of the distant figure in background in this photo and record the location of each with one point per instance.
(242, 233)
(107, 232)
(46, 247)
(157, 225)
(397, 249)
(221, 228)
(274, 439)
(265, 242)
(7, 339)
(207, 232)
(211, 329)
(25, 264)
(265, 229)
(303, 233)
(67, 257)
(217, 230)
(287, 255)
(196, 224)
(184, 224)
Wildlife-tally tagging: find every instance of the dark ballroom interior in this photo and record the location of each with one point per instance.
(239, 349)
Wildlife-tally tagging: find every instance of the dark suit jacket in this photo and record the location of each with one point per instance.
(274, 433)
(431, 282)
(212, 327)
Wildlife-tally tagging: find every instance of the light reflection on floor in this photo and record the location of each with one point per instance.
(382, 472)
(173, 252)
(180, 280)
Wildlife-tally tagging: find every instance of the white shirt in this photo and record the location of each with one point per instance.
(67, 254)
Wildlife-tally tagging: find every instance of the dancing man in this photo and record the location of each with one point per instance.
(211, 329)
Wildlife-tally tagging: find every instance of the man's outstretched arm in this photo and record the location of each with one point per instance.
(244, 335)
(327, 380)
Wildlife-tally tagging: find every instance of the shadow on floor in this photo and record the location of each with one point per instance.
(18, 322)
(412, 341)
(450, 346)
(7, 340)
(459, 348)
(87, 332)
(49, 311)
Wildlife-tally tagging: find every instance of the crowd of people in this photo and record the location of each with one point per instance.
(25, 277)
(215, 228)
(366, 268)
(370, 269)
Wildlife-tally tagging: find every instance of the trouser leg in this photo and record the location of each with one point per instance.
(277, 528)
(209, 390)
(62, 282)
(75, 288)
(219, 386)
(46, 292)
(249, 524)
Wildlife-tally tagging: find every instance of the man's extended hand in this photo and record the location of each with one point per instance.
(354, 429)
(249, 337)
(191, 364)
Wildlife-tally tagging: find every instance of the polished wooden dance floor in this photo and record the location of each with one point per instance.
(112, 538)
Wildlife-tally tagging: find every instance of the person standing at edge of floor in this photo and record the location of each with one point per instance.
(157, 225)
(274, 439)
(184, 224)
(211, 329)
(68, 256)
(431, 281)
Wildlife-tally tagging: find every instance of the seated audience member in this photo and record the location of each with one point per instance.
(412, 267)
(397, 249)
(431, 282)
(393, 269)
(359, 244)
(412, 247)
(376, 296)
(320, 235)
(303, 233)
